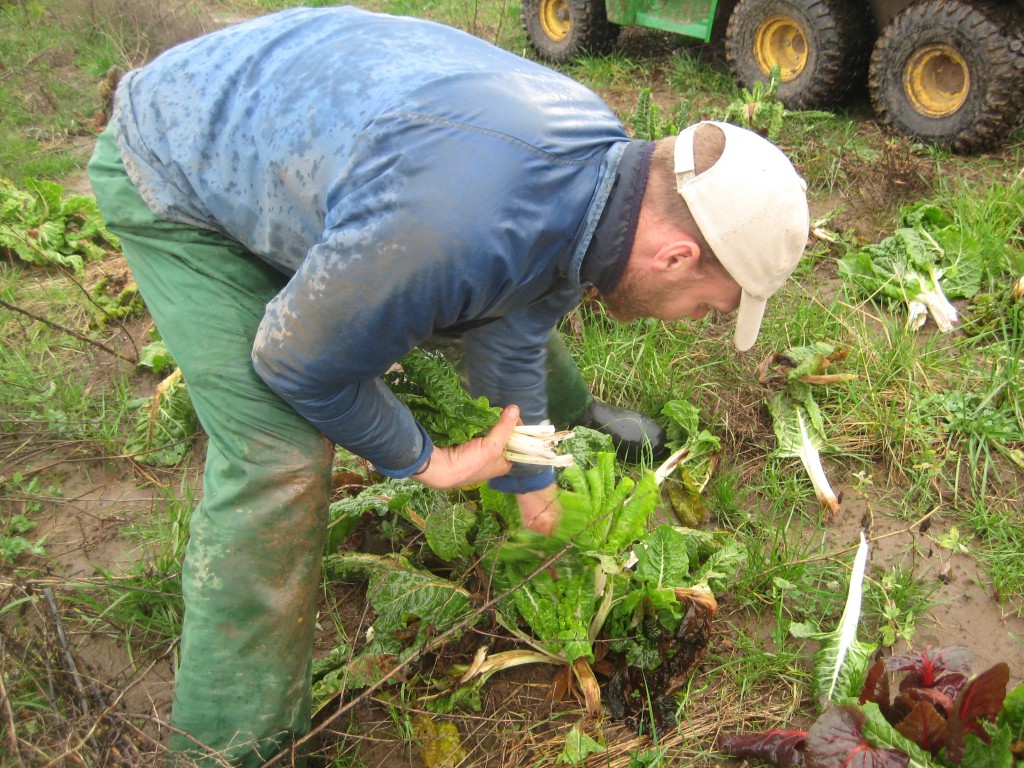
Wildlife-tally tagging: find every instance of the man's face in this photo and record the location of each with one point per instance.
(642, 294)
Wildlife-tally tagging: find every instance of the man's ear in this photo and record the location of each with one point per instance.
(682, 255)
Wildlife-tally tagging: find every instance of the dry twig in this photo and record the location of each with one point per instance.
(69, 331)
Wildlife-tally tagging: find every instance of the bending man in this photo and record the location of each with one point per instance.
(305, 197)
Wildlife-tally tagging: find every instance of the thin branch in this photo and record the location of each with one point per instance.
(69, 331)
(69, 661)
(12, 734)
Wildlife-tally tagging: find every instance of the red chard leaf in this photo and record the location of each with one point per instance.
(836, 740)
(876, 687)
(782, 749)
(903, 705)
(941, 702)
(950, 685)
(925, 667)
(980, 700)
(925, 727)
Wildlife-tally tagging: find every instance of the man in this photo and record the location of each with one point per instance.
(305, 197)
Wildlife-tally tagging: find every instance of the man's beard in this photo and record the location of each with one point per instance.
(634, 297)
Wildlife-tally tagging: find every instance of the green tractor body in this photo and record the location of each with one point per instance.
(692, 18)
(946, 72)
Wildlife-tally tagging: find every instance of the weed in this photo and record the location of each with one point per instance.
(604, 72)
(646, 120)
(899, 598)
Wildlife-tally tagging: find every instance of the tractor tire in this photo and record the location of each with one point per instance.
(821, 47)
(951, 72)
(561, 30)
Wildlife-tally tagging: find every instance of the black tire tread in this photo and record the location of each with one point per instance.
(840, 33)
(591, 32)
(986, 119)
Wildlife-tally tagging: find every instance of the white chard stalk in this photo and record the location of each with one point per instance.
(535, 444)
(851, 612)
(940, 308)
(811, 459)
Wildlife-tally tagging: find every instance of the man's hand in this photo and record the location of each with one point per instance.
(540, 510)
(474, 461)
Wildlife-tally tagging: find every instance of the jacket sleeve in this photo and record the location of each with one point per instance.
(324, 342)
(415, 241)
(506, 362)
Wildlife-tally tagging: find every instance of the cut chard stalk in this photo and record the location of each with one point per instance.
(535, 443)
(940, 308)
(1017, 292)
(811, 459)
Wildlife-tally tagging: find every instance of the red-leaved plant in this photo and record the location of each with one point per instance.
(935, 707)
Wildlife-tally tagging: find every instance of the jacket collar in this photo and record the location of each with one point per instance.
(612, 242)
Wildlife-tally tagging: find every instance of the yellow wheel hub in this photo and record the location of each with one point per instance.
(936, 80)
(554, 19)
(780, 41)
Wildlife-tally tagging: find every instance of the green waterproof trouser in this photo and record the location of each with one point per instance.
(252, 566)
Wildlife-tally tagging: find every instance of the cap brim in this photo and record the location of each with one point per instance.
(748, 321)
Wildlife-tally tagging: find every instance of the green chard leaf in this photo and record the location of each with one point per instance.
(842, 661)
(1012, 714)
(996, 754)
(405, 599)
(164, 425)
(661, 558)
(881, 734)
(447, 531)
(156, 357)
(721, 565)
(799, 432)
(429, 384)
(694, 471)
(578, 746)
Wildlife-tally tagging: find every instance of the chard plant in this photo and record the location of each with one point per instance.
(926, 262)
(932, 715)
(41, 226)
(604, 595)
(645, 595)
(796, 418)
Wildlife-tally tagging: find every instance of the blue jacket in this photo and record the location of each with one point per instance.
(408, 177)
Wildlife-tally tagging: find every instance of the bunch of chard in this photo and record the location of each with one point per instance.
(924, 263)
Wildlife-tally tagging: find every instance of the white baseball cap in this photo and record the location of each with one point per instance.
(751, 208)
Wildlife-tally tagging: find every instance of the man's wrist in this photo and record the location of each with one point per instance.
(425, 467)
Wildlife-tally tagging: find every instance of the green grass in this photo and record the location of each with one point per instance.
(55, 55)
(606, 72)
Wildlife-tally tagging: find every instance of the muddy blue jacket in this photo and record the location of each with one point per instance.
(409, 178)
